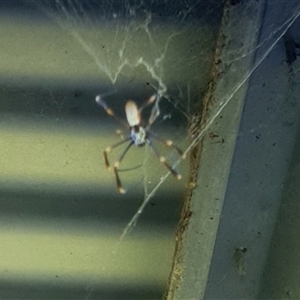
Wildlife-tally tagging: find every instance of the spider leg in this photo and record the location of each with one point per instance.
(168, 143)
(155, 112)
(116, 165)
(119, 185)
(108, 149)
(162, 160)
(149, 101)
(109, 111)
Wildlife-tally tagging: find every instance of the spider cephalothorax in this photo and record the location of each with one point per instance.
(138, 135)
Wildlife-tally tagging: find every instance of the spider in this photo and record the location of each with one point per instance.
(139, 135)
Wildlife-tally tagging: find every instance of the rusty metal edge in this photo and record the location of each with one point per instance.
(189, 282)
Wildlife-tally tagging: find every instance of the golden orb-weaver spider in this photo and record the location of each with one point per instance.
(139, 135)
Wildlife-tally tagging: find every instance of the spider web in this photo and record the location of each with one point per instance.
(130, 50)
(157, 47)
